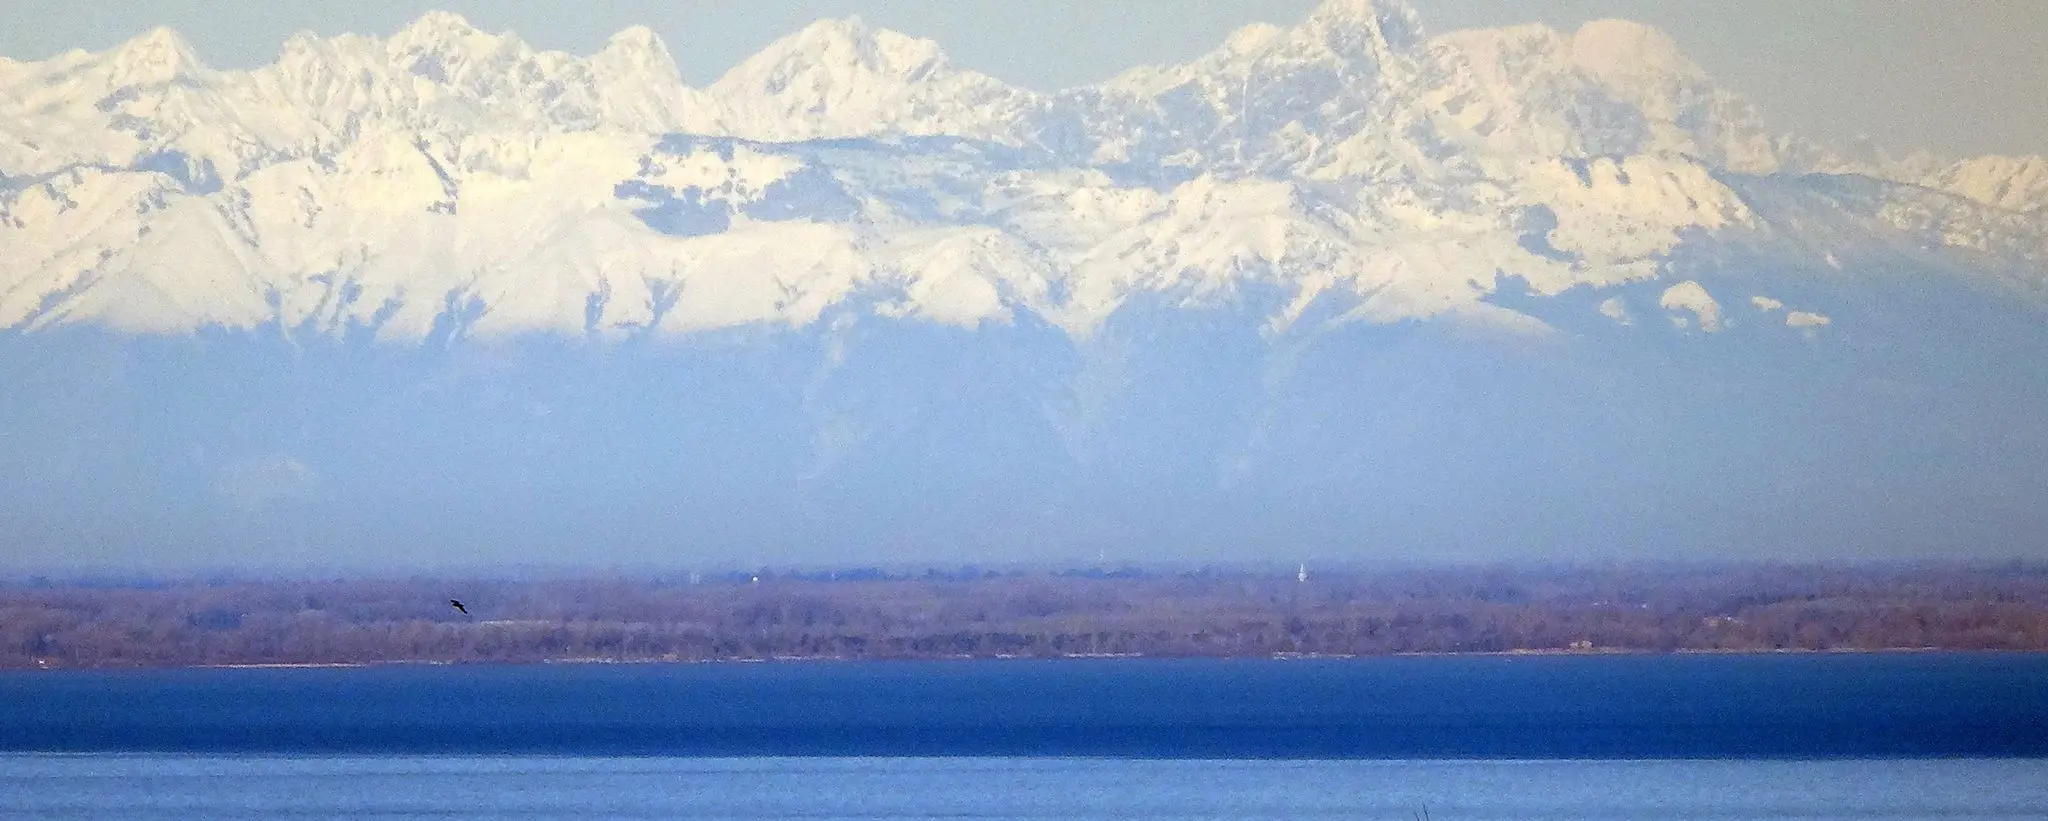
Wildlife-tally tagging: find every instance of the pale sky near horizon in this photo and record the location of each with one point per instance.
(1956, 78)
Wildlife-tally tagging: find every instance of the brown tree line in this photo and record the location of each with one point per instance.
(876, 615)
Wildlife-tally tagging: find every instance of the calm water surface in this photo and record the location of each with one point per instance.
(1729, 738)
(1851, 706)
(266, 787)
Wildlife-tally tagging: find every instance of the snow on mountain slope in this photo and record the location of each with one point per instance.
(150, 101)
(1613, 88)
(472, 81)
(1353, 92)
(2012, 183)
(447, 183)
(841, 78)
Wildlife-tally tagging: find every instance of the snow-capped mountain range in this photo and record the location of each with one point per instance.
(448, 180)
(1338, 288)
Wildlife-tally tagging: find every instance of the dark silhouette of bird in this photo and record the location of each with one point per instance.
(458, 605)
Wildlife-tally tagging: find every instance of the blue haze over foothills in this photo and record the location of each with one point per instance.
(1340, 289)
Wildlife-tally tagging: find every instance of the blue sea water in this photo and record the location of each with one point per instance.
(1919, 736)
(179, 786)
(1681, 706)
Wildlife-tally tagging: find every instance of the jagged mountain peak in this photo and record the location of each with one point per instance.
(445, 48)
(1615, 87)
(1345, 93)
(838, 46)
(438, 26)
(851, 28)
(637, 50)
(1349, 23)
(155, 57)
(1374, 31)
(1352, 44)
(448, 35)
(842, 78)
(1390, 14)
(635, 40)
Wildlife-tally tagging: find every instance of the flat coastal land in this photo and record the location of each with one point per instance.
(1093, 612)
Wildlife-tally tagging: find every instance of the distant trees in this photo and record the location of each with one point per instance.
(871, 614)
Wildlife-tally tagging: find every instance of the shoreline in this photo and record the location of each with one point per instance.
(1275, 657)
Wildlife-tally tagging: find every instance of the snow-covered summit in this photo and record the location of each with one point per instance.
(1353, 91)
(446, 36)
(636, 49)
(157, 57)
(843, 78)
(1612, 88)
(1351, 26)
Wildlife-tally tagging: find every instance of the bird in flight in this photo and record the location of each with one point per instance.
(457, 604)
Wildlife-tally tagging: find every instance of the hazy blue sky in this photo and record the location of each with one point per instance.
(1954, 77)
